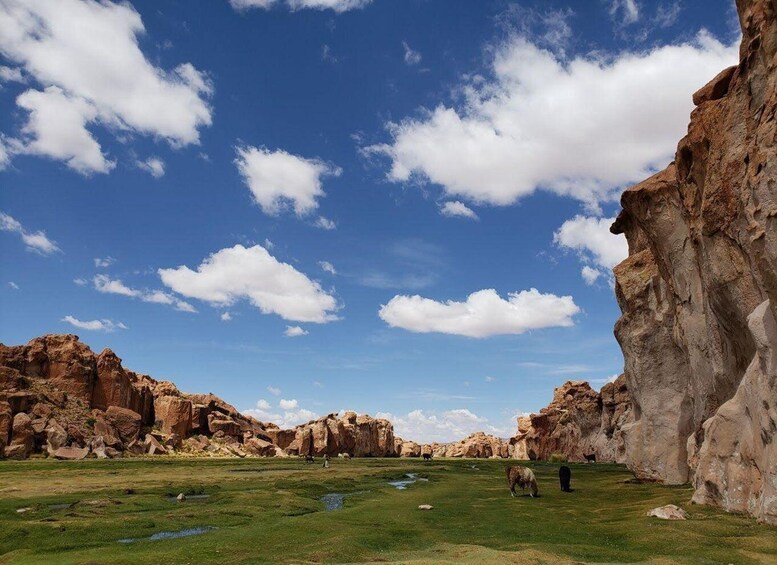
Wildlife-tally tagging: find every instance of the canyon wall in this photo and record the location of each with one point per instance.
(698, 292)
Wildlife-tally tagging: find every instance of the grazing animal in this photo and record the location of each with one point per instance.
(565, 477)
(326, 462)
(524, 478)
(309, 459)
(590, 458)
(427, 456)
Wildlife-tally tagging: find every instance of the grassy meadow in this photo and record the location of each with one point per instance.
(270, 511)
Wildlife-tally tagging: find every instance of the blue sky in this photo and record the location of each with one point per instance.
(398, 207)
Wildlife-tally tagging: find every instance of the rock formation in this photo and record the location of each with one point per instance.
(358, 436)
(698, 291)
(478, 445)
(59, 398)
(578, 421)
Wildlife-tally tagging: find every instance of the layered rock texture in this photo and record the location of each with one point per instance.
(698, 292)
(579, 421)
(60, 398)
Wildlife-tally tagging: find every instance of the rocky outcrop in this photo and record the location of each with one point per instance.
(578, 421)
(58, 397)
(702, 261)
(358, 436)
(478, 445)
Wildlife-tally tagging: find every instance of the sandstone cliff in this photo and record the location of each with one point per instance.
(358, 436)
(702, 262)
(55, 394)
(577, 422)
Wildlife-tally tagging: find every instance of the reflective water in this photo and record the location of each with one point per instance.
(171, 535)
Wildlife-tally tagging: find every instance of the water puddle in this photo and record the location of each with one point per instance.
(402, 484)
(61, 506)
(335, 500)
(171, 535)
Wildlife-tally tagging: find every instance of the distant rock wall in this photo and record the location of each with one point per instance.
(579, 421)
(699, 290)
(56, 393)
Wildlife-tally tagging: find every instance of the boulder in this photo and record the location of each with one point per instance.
(410, 449)
(126, 422)
(56, 437)
(22, 437)
(668, 512)
(153, 447)
(226, 425)
(71, 453)
(259, 447)
(173, 414)
(6, 425)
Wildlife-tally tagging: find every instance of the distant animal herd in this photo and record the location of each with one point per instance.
(517, 476)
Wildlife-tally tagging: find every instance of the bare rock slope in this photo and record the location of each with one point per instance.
(698, 292)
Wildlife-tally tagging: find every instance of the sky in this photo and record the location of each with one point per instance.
(396, 207)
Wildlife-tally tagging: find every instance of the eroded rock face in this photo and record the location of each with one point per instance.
(65, 396)
(359, 436)
(702, 257)
(578, 421)
(478, 445)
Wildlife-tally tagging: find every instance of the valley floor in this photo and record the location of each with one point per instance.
(271, 511)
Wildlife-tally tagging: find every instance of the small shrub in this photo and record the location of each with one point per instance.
(557, 458)
(90, 422)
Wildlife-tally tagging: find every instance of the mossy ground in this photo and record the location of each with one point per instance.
(268, 511)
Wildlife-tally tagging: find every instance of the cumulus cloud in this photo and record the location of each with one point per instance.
(37, 242)
(94, 325)
(443, 427)
(273, 287)
(107, 285)
(275, 391)
(88, 68)
(456, 208)
(290, 414)
(411, 57)
(338, 6)
(484, 313)
(226, 317)
(8, 74)
(581, 127)
(294, 331)
(153, 166)
(596, 247)
(325, 223)
(328, 267)
(278, 179)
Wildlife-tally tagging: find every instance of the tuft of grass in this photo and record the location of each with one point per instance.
(260, 508)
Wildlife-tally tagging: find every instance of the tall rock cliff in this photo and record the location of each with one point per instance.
(698, 292)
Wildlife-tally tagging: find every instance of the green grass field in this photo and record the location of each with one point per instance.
(270, 511)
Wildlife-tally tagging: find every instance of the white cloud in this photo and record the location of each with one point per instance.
(338, 6)
(252, 273)
(278, 179)
(626, 10)
(294, 331)
(56, 128)
(456, 208)
(667, 14)
(290, 414)
(8, 74)
(275, 391)
(107, 285)
(153, 166)
(590, 275)
(328, 267)
(325, 223)
(490, 379)
(81, 282)
(86, 59)
(484, 313)
(103, 263)
(262, 404)
(582, 127)
(596, 247)
(268, 244)
(411, 57)
(94, 325)
(443, 427)
(13, 285)
(288, 404)
(226, 317)
(37, 242)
